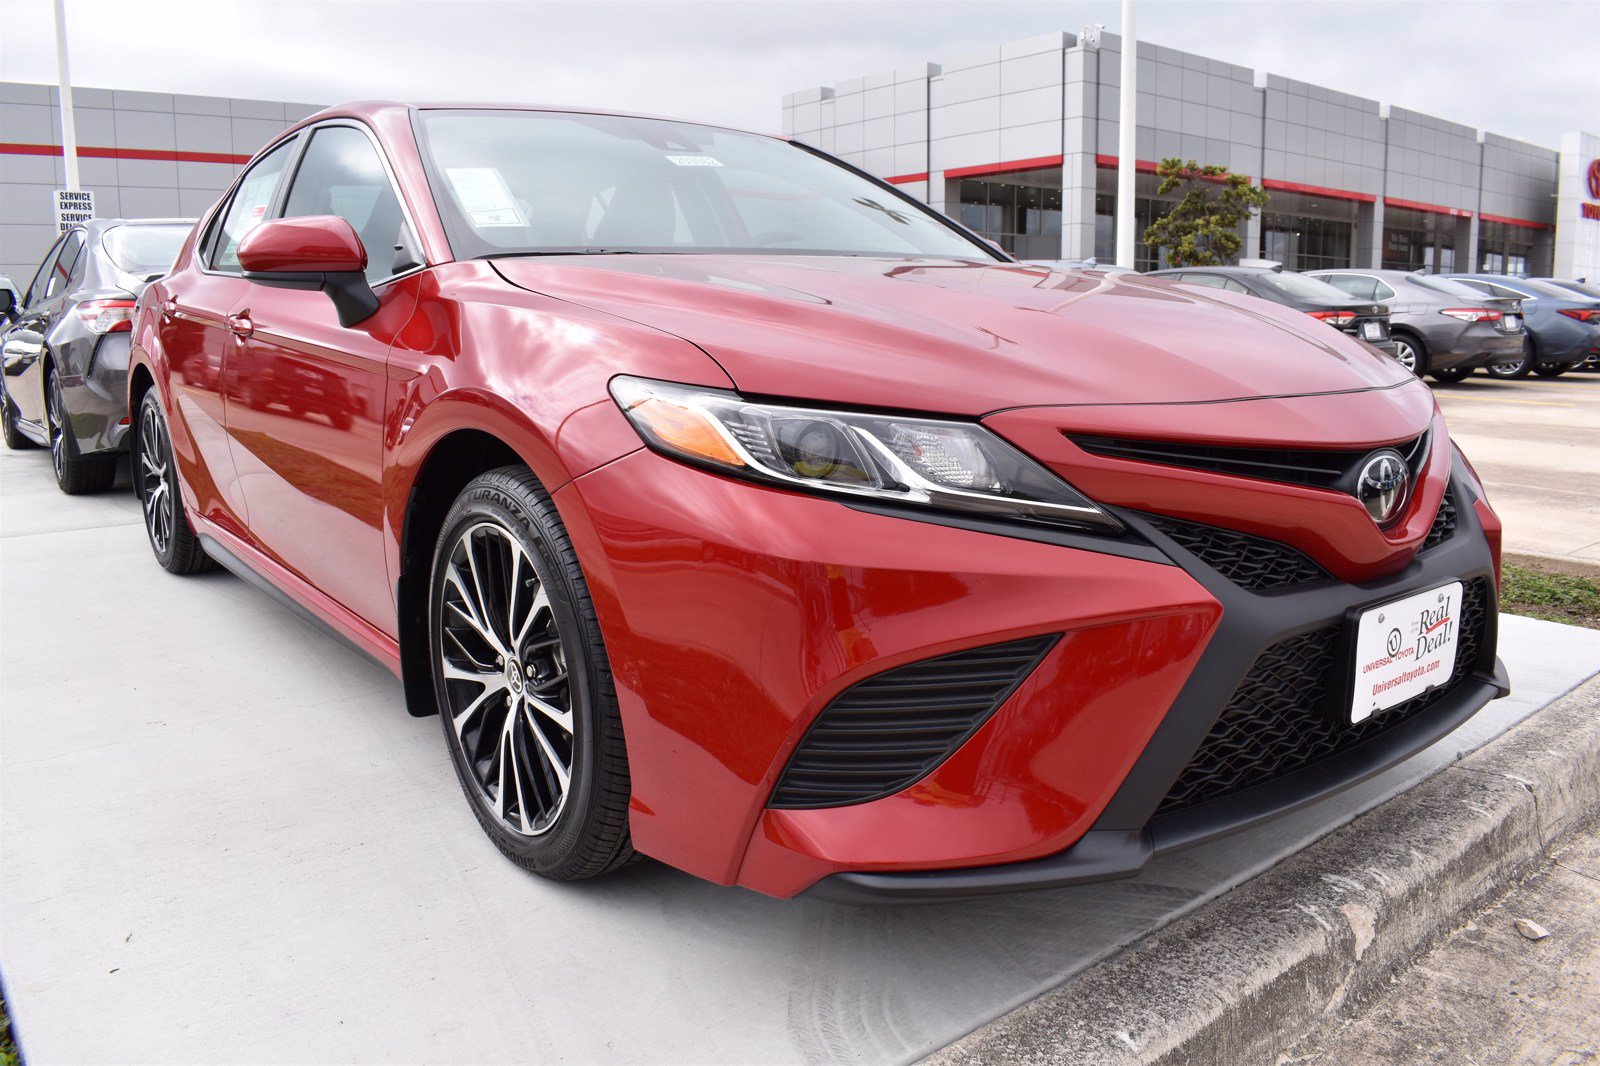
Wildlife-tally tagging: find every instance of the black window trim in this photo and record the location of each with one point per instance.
(213, 224)
(66, 284)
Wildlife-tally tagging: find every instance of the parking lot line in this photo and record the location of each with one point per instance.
(1521, 403)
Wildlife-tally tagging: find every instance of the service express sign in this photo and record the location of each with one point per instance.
(72, 207)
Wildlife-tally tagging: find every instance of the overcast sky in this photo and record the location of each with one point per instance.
(1524, 69)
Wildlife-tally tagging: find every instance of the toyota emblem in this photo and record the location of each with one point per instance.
(1381, 485)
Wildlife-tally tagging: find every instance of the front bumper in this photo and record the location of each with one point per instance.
(734, 614)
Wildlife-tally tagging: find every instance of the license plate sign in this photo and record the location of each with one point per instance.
(1372, 331)
(1513, 323)
(1404, 648)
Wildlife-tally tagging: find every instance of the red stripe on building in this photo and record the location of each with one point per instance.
(1523, 222)
(1318, 190)
(1004, 168)
(1435, 209)
(1142, 166)
(160, 155)
(906, 179)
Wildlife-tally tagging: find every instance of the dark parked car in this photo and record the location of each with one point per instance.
(733, 507)
(10, 299)
(1364, 319)
(1586, 288)
(1562, 326)
(66, 350)
(1440, 327)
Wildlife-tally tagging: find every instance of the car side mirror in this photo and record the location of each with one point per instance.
(8, 303)
(312, 252)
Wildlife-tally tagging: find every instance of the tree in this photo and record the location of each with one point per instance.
(1202, 229)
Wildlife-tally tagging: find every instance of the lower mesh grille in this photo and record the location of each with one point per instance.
(1444, 522)
(1253, 563)
(883, 734)
(1277, 721)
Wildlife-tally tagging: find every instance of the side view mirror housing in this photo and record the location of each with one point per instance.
(312, 252)
(8, 303)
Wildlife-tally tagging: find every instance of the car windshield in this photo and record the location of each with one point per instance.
(144, 250)
(1303, 288)
(532, 182)
(1453, 289)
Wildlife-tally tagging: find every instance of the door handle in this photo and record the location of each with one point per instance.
(169, 308)
(240, 325)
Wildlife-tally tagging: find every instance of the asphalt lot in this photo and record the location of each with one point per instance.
(222, 839)
(1536, 442)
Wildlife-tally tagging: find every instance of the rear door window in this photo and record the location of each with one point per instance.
(1358, 285)
(61, 273)
(41, 279)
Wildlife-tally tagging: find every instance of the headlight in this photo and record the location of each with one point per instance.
(951, 466)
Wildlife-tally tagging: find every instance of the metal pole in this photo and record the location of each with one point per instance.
(1127, 126)
(69, 129)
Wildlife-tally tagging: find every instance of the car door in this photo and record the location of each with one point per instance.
(195, 304)
(26, 344)
(305, 394)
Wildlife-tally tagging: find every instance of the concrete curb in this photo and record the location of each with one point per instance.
(1546, 563)
(1245, 976)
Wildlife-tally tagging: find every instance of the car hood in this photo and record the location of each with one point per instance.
(963, 338)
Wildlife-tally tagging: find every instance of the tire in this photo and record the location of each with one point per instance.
(1519, 369)
(77, 475)
(155, 480)
(1410, 353)
(14, 437)
(1553, 370)
(1451, 374)
(492, 654)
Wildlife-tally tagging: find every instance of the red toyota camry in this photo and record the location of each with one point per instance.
(732, 508)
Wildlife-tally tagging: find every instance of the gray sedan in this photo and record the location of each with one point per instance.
(65, 348)
(1439, 327)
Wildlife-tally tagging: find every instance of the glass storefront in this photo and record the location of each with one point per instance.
(1418, 240)
(1504, 249)
(1021, 212)
(1308, 232)
(1146, 209)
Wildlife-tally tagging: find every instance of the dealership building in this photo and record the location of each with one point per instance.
(1020, 142)
(144, 155)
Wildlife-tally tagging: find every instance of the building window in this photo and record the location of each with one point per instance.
(1146, 209)
(1022, 215)
(1418, 240)
(1503, 249)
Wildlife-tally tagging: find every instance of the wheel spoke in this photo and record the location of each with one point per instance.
(551, 711)
(516, 778)
(541, 602)
(557, 767)
(470, 609)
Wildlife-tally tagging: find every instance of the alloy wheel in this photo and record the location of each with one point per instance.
(503, 664)
(155, 485)
(1405, 354)
(57, 420)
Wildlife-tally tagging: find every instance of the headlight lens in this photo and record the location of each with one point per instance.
(953, 466)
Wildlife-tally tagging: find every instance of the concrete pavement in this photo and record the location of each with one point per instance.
(1536, 443)
(221, 838)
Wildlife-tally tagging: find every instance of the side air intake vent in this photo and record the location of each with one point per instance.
(1253, 563)
(1444, 523)
(885, 733)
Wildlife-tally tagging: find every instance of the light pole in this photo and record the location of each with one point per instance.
(1127, 127)
(69, 129)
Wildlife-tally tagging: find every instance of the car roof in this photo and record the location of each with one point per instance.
(372, 110)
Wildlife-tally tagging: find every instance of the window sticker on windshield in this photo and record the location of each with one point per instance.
(695, 160)
(484, 197)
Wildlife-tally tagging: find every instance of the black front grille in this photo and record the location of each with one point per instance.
(1280, 720)
(1444, 522)
(1319, 468)
(885, 733)
(1253, 563)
